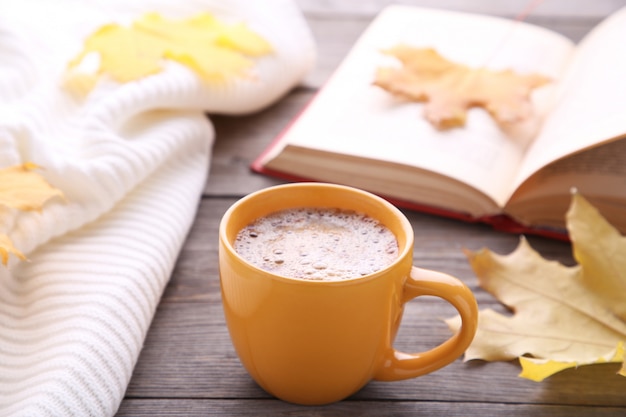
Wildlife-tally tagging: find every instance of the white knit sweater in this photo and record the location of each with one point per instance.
(131, 160)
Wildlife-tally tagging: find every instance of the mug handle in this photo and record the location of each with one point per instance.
(399, 365)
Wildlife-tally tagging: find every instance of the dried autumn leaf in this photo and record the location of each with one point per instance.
(563, 316)
(600, 250)
(7, 248)
(449, 89)
(214, 50)
(22, 189)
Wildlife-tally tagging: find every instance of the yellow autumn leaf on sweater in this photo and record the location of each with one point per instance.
(449, 89)
(563, 317)
(21, 188)
(214, 50)
(7, 248)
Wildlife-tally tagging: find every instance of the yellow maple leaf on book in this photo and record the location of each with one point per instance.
(211, 48)
(449, 89)
(563, 317)
(23, 189)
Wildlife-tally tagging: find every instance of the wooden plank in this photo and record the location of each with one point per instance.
(561, 9)
(188, 354)
(439, 245)
(336, 25)
(251, 407)
(188, 366)
(241, 139)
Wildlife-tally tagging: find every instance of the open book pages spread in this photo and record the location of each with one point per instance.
(355, 132)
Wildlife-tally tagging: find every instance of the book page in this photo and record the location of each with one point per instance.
(352, 116)
(599, 174)
(591, 100)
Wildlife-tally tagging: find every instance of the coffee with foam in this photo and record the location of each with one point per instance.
(318, 244)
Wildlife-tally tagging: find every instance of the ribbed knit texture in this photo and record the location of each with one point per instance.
(131, 160)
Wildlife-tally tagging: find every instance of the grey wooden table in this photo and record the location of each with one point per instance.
(188, 366)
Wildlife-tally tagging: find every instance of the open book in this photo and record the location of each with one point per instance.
(518, 179)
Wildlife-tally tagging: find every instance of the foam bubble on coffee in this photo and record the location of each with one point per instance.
(318, 244)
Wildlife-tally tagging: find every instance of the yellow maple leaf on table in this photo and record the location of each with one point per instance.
(563, 317)
(449, 89)
(214, 50)
(21, 188)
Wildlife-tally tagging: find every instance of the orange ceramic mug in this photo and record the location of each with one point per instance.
(316, 342)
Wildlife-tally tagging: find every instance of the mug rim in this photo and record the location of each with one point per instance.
(407, 250)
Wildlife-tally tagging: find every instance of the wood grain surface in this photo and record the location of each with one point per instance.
(188, 366)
